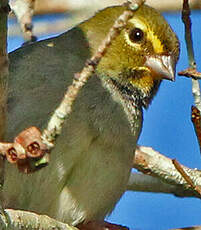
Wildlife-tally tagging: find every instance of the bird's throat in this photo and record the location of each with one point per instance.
(139, 98)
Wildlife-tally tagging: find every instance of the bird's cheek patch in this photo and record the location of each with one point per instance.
(144, 83)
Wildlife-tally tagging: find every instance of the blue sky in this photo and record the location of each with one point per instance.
(168, 129)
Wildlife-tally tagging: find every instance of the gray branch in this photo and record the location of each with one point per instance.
(161, 173)
(19, 220)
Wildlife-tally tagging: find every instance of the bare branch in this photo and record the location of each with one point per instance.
(24, 9)
(191, 60)
(190, 72)
(196, 120)
(187, 178)
(17, 220)
(4, 10)
(55, 123)
(155, 164)
(145, 183)
(188, 35)
(189, 228)
(61, 6)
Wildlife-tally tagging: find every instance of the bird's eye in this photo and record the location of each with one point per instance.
(136, 35)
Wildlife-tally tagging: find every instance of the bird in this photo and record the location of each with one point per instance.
(92, 159)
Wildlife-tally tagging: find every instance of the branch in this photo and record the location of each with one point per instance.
(186, 177)
(55, 123)
(191, 73)
(54, 126)
(18, 220)
(189, 228)
(4, 10)
(61, 6)
(139, 182)
(153, 163)
(196, 120)
(24, 9)
(192, 70)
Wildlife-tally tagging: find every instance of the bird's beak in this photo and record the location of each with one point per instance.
(161, 66)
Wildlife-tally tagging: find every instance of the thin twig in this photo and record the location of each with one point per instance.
(187, 178)
(191, 59)
(13, 150)
(188, 35)
(24, 9)
(153, 163)
(55, 123)
(196, 120)
(188, 228)
(190, 72)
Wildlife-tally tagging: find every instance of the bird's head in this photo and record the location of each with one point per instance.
(144, 53)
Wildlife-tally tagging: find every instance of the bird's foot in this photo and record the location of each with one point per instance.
(96, 225)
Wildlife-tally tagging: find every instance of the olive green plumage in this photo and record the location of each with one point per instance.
(157, 39)
(91, 162)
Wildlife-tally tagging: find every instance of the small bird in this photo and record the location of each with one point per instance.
(92, 160)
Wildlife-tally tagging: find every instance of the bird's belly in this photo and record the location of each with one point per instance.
(90, 164)
(94, 185)
(74, 188)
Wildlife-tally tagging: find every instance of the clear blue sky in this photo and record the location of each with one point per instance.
(168, 129)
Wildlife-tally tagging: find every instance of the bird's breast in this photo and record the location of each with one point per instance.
(92, 159)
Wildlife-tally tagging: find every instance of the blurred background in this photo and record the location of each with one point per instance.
(167, 125)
